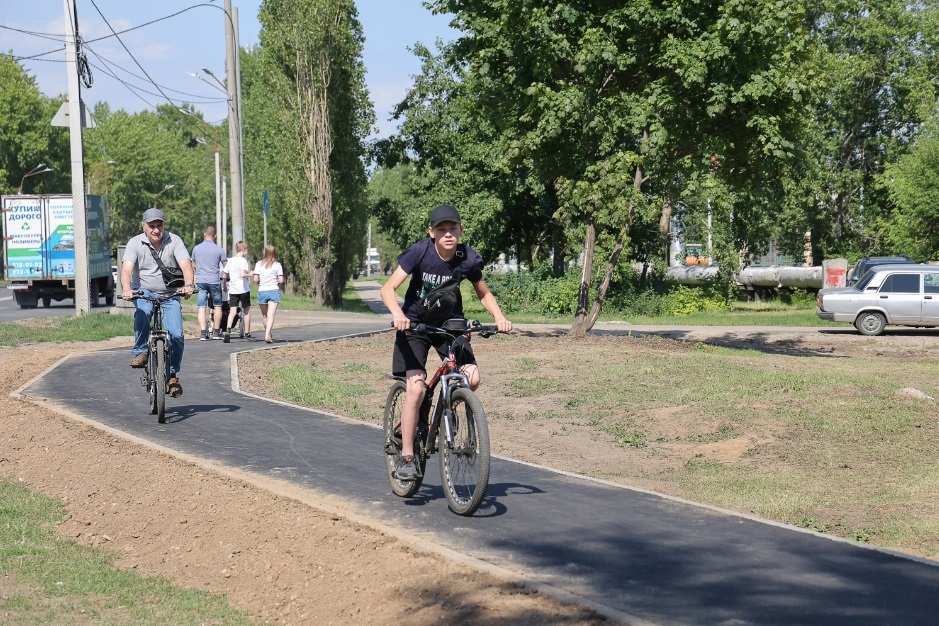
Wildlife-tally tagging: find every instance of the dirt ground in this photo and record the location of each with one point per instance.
(776, 423)
(282, 561)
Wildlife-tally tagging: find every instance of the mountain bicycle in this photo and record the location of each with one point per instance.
(153, 378)
(451, 421)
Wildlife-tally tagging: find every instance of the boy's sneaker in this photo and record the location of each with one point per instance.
(204, 336)
(406, 469)
(217, 335)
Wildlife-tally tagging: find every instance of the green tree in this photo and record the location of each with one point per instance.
(880, 67)
(27, 137)
(621, 104)
(913, 186)
(309, 66)
(132, 158)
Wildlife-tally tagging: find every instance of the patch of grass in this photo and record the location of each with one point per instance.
(89, 327)
(626, 437)
(61, 582)
(525, 387)
(726, 431)
(315, 387)
(357, 368)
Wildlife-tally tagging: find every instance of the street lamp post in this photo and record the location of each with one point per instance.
(42, 168)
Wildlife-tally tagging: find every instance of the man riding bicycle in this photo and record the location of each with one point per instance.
(157, 262)
(438, 263)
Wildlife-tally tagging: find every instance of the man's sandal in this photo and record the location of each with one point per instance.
(174, 388)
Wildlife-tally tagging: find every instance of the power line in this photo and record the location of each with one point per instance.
(115, 66)
(109, 71)
(131, 54)
(16, 58)
(33, 33)
(129, 87)
(159, 19)
(37, 56)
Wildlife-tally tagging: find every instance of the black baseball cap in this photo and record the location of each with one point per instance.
(444, 213)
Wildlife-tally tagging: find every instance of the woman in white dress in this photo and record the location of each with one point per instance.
(269, 275)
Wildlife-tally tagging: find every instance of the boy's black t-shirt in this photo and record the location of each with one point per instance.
(429, 271)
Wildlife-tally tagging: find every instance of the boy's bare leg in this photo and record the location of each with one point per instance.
(409, 412)
(472, 375)
(217, 317)
(201, 317)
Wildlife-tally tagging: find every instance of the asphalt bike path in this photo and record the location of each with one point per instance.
(638, 554)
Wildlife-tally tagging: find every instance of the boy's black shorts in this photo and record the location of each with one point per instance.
(244, 298)
(410, 352)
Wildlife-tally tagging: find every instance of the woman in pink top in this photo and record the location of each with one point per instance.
(269, 275)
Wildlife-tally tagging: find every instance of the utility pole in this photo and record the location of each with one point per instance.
(234, 124)
(82, 297)
(225, 216)
(218, 200)
(241, 119)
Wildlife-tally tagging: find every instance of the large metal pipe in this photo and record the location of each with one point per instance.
(772, 277)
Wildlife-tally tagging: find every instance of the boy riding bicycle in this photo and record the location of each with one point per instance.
(436, 266)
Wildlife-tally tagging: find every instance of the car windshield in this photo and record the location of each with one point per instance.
(863, 280)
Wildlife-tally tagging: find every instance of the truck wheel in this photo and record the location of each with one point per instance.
(25, 300)
(94, 293)
(870, 323)
(109, 298)
(46, 301)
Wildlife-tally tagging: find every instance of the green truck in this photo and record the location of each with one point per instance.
(39, 249)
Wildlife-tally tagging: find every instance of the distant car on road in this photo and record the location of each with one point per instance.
(900, 294)
(866, 263)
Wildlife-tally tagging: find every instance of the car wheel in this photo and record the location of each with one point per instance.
(871, 323)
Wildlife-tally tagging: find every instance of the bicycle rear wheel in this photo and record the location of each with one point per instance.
(159, 380)
(393, 407)
(464, 466)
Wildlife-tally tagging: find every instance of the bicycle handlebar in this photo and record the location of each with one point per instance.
(160, 297)
(484, 330)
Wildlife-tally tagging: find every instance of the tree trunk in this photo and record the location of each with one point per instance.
(607, 276)
(582, 322)
(580, 326)
(315, 133)
(558, 250)
(665, 226)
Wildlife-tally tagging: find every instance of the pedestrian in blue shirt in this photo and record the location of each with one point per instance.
(209, 259)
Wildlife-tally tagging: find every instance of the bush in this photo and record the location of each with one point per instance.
(685, 300)
(537, 292)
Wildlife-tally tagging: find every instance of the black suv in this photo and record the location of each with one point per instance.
(867, 262)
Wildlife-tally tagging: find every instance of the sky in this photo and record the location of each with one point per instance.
(171, 50)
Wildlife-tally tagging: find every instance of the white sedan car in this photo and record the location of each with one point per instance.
(900, 295)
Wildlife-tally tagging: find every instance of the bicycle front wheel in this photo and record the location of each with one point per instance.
(464, 464)
(391, 422)
(159, 380)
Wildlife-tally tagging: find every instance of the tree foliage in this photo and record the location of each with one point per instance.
(26, 136)
(307, 116)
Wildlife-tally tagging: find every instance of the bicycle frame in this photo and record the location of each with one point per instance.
(449, 376)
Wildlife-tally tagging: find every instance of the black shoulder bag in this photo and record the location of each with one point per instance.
(172, 276)
(439, 303)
